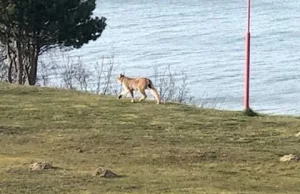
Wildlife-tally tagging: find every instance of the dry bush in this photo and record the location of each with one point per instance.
(172, 86)
(72, 73)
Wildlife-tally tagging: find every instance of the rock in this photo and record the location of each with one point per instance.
(288, 158)
(298, 134)
(37, 166)
(105, 173)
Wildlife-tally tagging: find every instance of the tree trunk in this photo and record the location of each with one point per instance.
(32, 74)
(20, 66)
(9, 73)
(10, 63)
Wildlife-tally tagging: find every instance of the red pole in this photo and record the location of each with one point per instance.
(247, 59)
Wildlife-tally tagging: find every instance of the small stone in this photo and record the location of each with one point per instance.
(288, 158)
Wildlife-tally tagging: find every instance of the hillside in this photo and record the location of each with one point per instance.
(168, 148)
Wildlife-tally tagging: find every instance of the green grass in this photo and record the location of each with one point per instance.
(168, 148)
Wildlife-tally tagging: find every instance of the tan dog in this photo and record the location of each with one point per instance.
(141, 84)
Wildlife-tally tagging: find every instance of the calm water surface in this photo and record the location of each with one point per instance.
(206, 40)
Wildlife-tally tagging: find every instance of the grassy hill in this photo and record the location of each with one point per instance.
(168, 148)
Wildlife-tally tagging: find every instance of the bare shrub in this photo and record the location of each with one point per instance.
(172, 86)
(104, 76)
(72, 73)
(82, 75)
(43, 74)
(99, 68)
(183, 95)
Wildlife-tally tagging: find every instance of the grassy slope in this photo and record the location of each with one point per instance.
(158, 148)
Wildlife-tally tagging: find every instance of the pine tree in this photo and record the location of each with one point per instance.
(28, 28)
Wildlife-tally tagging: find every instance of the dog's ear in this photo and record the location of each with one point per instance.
(121, 75)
